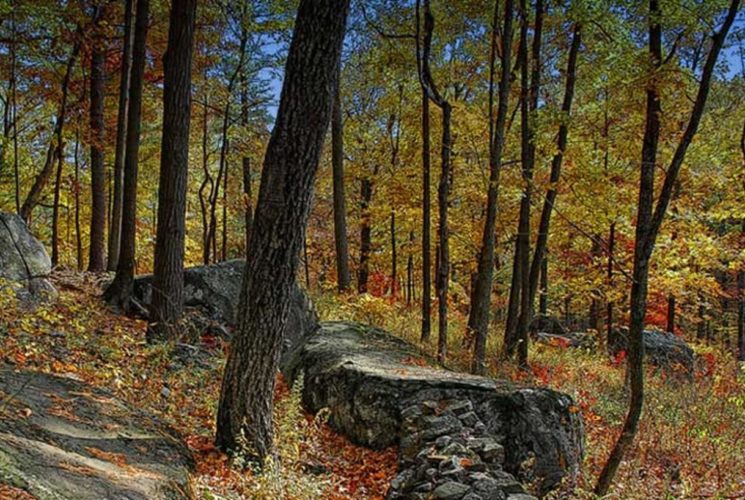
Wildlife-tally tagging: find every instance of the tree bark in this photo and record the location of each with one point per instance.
(119, 292)
(340, 209)
(278, 232)
(671, 313)
(115, 226)
(611, 339)
(78, 232)
(168, 280)
(96, 255)
(650, 217)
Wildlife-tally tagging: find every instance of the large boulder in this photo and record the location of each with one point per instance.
(60, 438)
(451, 427)
(215, 291)
(662, 349)
(23, 260)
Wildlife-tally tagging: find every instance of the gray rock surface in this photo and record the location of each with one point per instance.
(379, 394)
(215, 291)
(662, 349)
(23, 260)
(63, 439)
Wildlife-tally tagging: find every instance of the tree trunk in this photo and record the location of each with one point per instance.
(78, 232)
(14, 107)
(340, 210)
(543, 295)
(611, 339)
(478, 319)
(206, 182)
(96, 256)
(443, 191)
(556, 163)
(366, 192)
(426, 225)
(59, 129)
(119, 292)
(34, 195)
(168, 279)
(115, 226)
(290, 165)
(671, 313)
(650, 217)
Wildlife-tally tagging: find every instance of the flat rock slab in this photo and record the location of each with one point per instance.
(63, 439)
(374, 384)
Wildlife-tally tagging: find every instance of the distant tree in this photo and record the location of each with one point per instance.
(340, 208)
(278, 232)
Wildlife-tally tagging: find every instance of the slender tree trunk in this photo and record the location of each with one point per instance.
(59, 129)
(426, 225)
(224, 246)
(96, 256)
(543, 296)
(14, 107)
(54, 151)
(594, 315)
(340, 209)
(513, 306)
(119, 292)
(290, 165)
(115, 226)
(410, 272)
(366, 192)
(394, 256)
(168, 279)
(556, 163)
(78, 232)
(611, 338)
(443, 191)
(478, 320)
(671, 313)
(206, 182)
(650, 217)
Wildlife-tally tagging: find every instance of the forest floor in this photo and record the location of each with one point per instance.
(691, 444)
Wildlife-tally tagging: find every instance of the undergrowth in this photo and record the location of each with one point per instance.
(691, 441)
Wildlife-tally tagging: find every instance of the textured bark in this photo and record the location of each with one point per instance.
(168, 281)
(478, 319)
(119, 292)
(340, 210)
(76, 191)
(650, 217)
(543, 296)
(96, 255)
(115, 225)
(278, 232)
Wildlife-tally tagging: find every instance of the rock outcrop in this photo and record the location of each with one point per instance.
(60, 438)
(24, 262)
(215, 291)
(459, 435)
(662, 349)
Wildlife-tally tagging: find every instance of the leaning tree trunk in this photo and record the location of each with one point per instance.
(119, 292)
(96, 256)
(115, 226)
(278, 232)
(555, 174)
(478, 320)
(168, 279)
(650, 217)
(34, 195)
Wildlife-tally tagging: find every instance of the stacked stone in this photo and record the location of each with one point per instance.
(446, 454)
